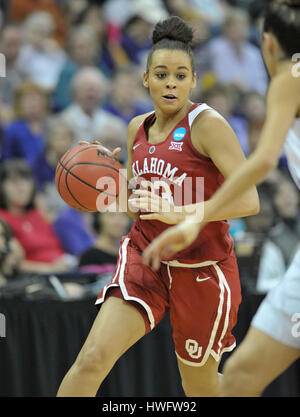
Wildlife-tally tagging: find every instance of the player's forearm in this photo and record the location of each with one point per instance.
(242, 206)
(252, 172)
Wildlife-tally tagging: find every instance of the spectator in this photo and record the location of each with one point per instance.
(234, 60)
(83, 51)
(41, 58)
(11, 253)
(109, 228)
(85, 116)
(286, 231)
(261, 261)
(58, 139)
(136, 39)
(113, 136)
(73, 230)
(124, 101)
(20, 9)
(254, 111)
(223, 99)
(10, 43)
(43, 251)
(24, 137)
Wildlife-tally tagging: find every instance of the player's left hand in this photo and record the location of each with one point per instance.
(171, 241)
(161, 209)
(115, 152)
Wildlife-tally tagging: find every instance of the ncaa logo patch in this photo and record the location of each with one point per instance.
(179, 133)
(176, 146)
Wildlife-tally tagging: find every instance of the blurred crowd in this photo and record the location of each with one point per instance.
(73, 71)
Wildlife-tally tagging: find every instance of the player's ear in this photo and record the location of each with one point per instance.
(194, 80)
(268, 43)
(145, 79)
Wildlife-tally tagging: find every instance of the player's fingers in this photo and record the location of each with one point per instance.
(150, 216)
(116, 152)
(84, 142)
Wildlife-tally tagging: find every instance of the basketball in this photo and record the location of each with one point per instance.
(88, 178)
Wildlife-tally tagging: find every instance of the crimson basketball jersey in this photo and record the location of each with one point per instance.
(183, 176)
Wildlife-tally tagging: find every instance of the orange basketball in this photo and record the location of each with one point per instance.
(88, 178)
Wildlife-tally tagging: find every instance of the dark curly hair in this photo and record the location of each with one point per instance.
(174, 34)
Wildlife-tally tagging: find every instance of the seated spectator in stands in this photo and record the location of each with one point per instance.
(261, 261)
(136, 32)
(124, 100)
(11, 254)
(73, 230)
(223, 99)
(43, 251)
(113, 136)
(20, 9)
(41, 58)
(286, 231)
(24, 137)
(10, 43)
(58, 139)
(102, 256)
(84, 50)
(254, 112)
(234, 60)
(85, 115)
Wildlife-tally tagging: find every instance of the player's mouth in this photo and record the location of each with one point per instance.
(170, 98)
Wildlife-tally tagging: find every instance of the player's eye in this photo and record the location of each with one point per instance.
(160, 75)
(181, 76)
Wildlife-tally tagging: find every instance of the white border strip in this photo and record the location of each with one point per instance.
(124, 290)
(120, 275)
(194, 113)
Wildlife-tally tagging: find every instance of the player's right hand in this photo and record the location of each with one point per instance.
(115, 152)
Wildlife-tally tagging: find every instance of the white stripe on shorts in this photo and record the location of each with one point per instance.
(119, 276)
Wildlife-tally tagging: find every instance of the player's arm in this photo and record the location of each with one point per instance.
(123, 199)
(213, 137)
(283, 103)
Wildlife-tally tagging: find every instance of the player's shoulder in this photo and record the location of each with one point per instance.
(135, 123)
(207, 120)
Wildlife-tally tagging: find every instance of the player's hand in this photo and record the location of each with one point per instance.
(161, 209)
(171, 241)
(115, 152)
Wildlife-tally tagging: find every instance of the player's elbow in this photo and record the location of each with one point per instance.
(251, 203)
(255, 204)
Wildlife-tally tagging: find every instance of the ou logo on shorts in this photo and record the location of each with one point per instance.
(193, 349)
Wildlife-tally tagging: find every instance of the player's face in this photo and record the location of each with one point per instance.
(170, 79)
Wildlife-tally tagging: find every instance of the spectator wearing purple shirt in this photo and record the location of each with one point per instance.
(234, 60)
(24, 137)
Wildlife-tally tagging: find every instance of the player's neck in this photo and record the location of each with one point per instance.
(284, 66)
(164, 121)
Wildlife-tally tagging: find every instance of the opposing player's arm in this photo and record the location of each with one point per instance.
(213, 137)
(283, 104)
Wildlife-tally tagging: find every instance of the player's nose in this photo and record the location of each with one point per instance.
(171, 82)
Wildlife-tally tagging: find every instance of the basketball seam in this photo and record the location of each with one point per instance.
(84, 182)
(75, 199)
(61, 161)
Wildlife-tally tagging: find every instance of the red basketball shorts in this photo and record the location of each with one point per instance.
(203, 301)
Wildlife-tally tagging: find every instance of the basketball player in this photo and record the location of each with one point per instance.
(179, 141)
(273, 340)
